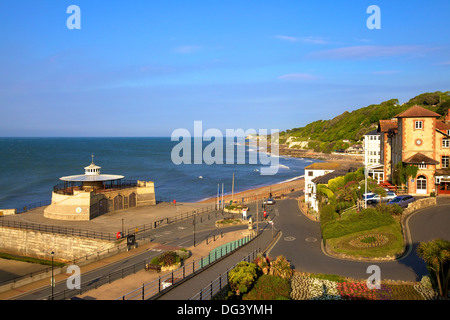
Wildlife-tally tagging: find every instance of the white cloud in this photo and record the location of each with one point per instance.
(313, 40)
(386, 72)
(365, 52)
(187, 49)
(298, 76)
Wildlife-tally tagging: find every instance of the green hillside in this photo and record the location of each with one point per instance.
(327, 135)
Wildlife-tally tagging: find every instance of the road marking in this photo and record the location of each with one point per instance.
(311, 239)
(289, 238)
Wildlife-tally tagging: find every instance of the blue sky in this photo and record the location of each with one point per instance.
(150, 67)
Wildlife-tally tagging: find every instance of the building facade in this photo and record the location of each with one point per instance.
(313, 171)
(84, 197)
(418, 137)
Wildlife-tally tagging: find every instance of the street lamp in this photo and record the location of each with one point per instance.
(194, 228)
(52, 282)
(365, 181)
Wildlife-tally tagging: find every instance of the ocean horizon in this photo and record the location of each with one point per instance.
(31, 166)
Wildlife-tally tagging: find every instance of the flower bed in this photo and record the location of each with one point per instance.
(308, 288)
(370, 240)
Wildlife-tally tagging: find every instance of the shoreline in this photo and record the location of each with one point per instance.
(277, 189)
(296, 183)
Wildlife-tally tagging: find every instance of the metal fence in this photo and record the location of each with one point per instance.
(98, 282)
(58, 229)
(165, 283)
(169, 220)
(34, 206)
(208, 292)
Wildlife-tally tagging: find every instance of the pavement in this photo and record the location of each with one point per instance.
(118, 288)
(136, 216)
(295, 228)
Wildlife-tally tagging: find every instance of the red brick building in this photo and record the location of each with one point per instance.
(418, 137)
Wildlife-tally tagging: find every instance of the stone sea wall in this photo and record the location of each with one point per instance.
(38, 244)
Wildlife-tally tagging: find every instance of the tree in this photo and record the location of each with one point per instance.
(436, 254)
(402, 172)
(242, 276)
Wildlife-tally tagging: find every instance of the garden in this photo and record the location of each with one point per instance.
(267, 279)
(374, 232)
(326, 287)
(170, 260)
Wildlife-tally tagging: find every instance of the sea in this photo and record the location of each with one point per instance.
(30, 167)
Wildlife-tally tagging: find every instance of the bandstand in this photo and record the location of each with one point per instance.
(88, 195)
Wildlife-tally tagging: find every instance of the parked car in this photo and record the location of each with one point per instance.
(377, 198)
(402, 201)
(368, 196)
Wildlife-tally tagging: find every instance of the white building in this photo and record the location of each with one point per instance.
(372, 151)
(313, 171)
(372, 155)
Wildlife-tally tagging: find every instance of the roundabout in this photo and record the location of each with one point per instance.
(404, 264)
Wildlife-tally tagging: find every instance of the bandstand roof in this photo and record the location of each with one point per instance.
(91, 178)
(92, 174)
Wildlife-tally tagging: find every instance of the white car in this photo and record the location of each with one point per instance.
(377, 198)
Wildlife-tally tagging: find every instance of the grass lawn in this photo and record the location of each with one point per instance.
(392, 248)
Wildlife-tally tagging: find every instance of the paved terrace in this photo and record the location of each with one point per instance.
(112, 222)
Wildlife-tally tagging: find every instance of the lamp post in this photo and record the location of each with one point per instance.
(365, 182)
(52, 281)
(194, 228)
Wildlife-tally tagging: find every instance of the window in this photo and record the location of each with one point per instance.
(445, 161)
(445, 143)
(310, 173)
(422, 166)
(418, 124)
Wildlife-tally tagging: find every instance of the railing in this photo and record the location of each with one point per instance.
(208, 292)
(34, 206)
(98, 282)
(69, 188)
(80, 233)
(169, 220)
(58, 229)
(161, 285)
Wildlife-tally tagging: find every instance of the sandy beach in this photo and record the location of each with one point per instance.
(277, 190)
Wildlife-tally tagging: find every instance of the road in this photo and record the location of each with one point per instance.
(179, 234)
(300, 242)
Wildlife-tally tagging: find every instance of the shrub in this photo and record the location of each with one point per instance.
(169, 258)
(342, 205)
(393, 209)
(242, 276)
(365, 220)
(280, 267)
(269, 288)
(328, 213)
